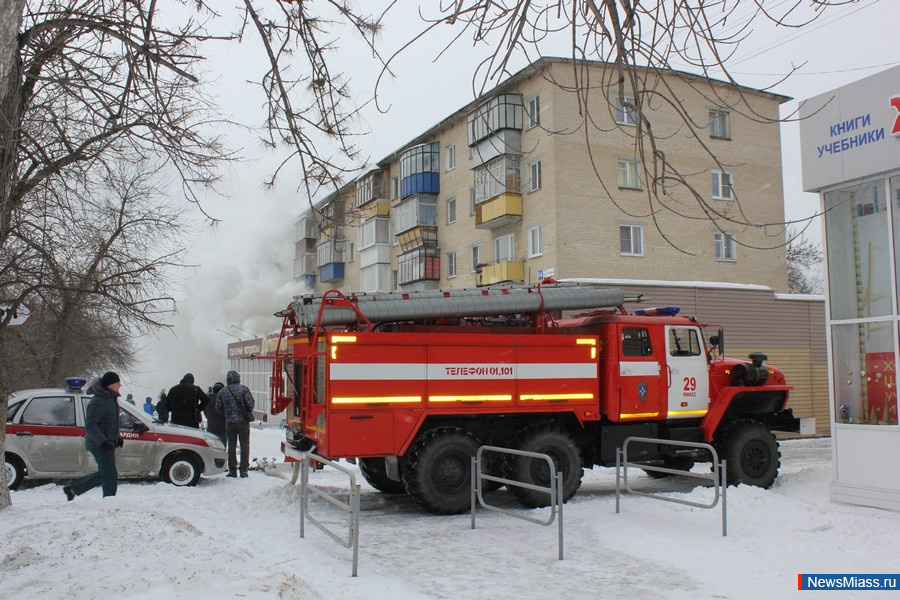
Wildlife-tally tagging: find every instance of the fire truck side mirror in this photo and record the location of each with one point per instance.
(718, 341)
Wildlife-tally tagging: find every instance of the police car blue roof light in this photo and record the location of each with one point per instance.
(75, 383)
(659, 311)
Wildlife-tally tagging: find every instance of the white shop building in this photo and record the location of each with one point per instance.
(850, 145)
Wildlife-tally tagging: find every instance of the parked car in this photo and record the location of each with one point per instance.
(45, 440)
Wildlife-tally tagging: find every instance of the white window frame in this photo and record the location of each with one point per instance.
(534, 176)
(451, 265)
(635, 243)
(534, 111)
(451, 211)
(625, 116)
(535, 241)
(472, 201)
(395, 188)
(505, 248)
(475, 252)
(628, 173)
(720, 189)
(724, 246)
(450, 152)
(719, 119)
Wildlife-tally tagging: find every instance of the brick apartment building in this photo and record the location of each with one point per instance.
(515, 186)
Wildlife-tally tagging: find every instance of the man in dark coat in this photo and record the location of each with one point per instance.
(186, 402)
(236, 402)
(215, 421)
(101, 437)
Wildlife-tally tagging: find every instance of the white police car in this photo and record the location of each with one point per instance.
(45, 440)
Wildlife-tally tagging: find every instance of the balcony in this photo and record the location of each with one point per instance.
(331, 272)
(500, 272)
(375, 209)
(499, 211)
(417, 237)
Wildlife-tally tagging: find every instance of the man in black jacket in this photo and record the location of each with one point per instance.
(101, 437)
(186, 402)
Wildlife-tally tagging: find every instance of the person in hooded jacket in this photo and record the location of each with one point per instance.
(236, 402)
(162, 412)
(215, 421)
(186, 402)
(101, 437)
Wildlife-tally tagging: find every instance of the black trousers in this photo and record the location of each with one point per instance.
(238, 432)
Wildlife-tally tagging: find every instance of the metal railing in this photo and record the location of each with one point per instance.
(351, 507)
(555, 489)
(717, 477)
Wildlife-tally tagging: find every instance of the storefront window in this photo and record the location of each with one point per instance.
(895, 198)
(856, 227)
(865, 373)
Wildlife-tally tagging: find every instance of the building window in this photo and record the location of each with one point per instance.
(471, 201)
(451, 210)
(722, 185)
(724, 246)
(534, 180)
(499, 175)
(535, 241)
(629, 173)
(451, 265)
(631, 240)
(451, 157)
(476, 256)
(504, 248)
(534, 112)
(719, 126)
(626, 114)
(395, 187)
(350, 253)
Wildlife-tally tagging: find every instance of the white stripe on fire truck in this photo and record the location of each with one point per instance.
(458, 371)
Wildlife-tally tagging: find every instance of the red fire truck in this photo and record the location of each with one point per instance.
(411, 384)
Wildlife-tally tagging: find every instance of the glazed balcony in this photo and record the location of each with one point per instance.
(500, 272)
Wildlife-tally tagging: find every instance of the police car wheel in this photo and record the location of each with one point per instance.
(181, 470)
(13, 471)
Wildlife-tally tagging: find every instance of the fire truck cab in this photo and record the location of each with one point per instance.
(410, 386)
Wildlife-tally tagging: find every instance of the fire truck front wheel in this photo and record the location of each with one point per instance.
(751, 453)
(556, 444)
(437, 470)
(374, 472)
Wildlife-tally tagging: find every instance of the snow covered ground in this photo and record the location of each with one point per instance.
(231, 538)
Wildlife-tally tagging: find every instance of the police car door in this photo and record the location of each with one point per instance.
(688, 372)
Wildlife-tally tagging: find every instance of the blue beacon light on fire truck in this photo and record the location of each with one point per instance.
(659, 311)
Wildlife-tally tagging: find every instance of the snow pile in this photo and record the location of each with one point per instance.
(240, 537)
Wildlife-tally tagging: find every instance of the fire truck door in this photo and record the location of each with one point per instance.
(640, 374)
(688, 373)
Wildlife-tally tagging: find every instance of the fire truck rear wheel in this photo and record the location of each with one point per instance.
(437, 470)
(181, 470)
(751, 453)
(375, 473)
(559, 446)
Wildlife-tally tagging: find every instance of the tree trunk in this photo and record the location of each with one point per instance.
(10, 81)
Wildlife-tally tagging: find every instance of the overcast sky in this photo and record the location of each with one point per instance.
(244, 266)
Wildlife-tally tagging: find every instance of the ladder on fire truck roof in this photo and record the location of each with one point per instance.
(309, 311)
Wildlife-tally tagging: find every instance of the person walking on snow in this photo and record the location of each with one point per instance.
(101, 437)
(236, 402)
